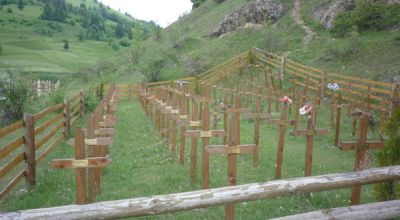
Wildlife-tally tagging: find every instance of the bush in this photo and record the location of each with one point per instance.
(367, 15)
(125, 42)
(1, 50)
(152, 70)
(390, 156)
(14, 93)
(9, 10)
(219, 1)
(341, 49)
(90, 102)
(114, 46)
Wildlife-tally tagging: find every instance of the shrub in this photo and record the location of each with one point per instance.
(90, 102)
(390, 156)
(1, 50)
(9, 10)
(367, 15)
(125, 42)
(251, 57)
(14, 94)
(114, 46)
(152, 70)
(343, 48)
(219, 1)
(57, 96)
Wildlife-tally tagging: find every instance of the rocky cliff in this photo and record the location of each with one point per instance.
(255, 12)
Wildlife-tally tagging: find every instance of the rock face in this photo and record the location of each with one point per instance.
(256, 12)
(326, 14)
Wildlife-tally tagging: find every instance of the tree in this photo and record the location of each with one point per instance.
(119, 30)
(66, 45)
(390, 156)
(55, 10)
(21, 4)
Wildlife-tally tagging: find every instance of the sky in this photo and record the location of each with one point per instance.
(162, 12)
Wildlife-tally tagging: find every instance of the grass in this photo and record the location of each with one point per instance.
(143, 166)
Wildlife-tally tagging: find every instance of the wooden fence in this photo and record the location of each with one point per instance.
(170, 203)
(46, 128)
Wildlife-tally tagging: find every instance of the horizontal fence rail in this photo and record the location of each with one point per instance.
(378, 210)
(169, 203)
(29, 141)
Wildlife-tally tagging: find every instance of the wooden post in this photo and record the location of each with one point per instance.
(338, 117)
(80, 173)
(183, 110)
(67, 119)
(82, 104)
(91, 153)
(394, 102)
(205, 164)
(361, 147)
(282, 67)
(29, 149)
(281, 141)
(193, 150)
(310, 132)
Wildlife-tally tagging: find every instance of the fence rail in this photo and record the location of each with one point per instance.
(46, 128)
(170, 203)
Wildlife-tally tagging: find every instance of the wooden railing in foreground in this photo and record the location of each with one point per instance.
(155, 205)
(34, 132)
(377, 210)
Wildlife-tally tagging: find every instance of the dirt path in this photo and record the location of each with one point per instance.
(310, 34)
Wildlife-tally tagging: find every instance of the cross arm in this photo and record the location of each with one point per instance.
(318, 132)
(225, 149)
(354, 145)
(91, 162)
(201, 134)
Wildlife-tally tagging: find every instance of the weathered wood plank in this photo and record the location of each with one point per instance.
(378, 210)
(10, 165)
(48, 110)
(91, 162)
(12, 184)
(169, 203)
(11, 147)
(10, 128)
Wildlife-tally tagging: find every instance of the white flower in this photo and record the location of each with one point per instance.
(305, 110)
(333, 86)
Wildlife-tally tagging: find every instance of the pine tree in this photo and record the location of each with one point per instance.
(21, 4)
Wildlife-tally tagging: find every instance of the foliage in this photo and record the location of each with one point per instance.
(21, 4)
(125, 42)
(367, 15)
(114, 45)
(390, 156)
(197, 3)
(9, 10)
(55, 10)
(273, 42)
(90, 102)
(57, 96)
(341, 49)
(195, 65)
(13, 95)
(251, 57)
(219, 1)
(1, 50)
(66, 45)
(152, 70)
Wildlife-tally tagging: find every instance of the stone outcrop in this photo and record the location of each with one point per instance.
(326, 14)
(256, 12)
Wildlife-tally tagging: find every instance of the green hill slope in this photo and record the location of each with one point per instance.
(188, 48)
(33, 45)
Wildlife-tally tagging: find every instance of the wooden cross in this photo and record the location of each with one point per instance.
(80, 163)
(282, 122)
(257, 116)
(361, 147)
(232, 149)
(310, 132)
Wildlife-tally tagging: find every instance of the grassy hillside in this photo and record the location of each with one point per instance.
(36, 46)
(368, 54)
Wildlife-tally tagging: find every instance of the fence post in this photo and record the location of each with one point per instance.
(67, 119)
(394, 102)
(323, 83)
(29, 149)
(82, 104)
(283, 60)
